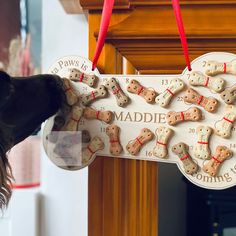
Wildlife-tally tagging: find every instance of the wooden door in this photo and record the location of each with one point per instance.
(143, 38)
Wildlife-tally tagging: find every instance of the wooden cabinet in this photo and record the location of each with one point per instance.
(143, 38)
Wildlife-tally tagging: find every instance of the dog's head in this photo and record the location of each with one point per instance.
(5, 88)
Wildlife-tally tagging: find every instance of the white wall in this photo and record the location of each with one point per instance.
(64, 193)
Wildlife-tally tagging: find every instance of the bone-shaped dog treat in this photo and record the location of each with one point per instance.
(91, 113)
(121, 98)
(215, 67)
(113, 132)
(199, 79)
(208, 103)
(181, 150)
(71, 96)
(163, 135)
(135, 146)
(202, 149)
(229, 95)
(221, 154)
(148, 94)
(95, 145)
(192, 114)
(78, 76)
(223, 127)
(163, 99)
(74, 119)
(100, 92)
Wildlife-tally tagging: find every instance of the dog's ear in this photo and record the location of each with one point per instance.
(5, 88)
(4, 76)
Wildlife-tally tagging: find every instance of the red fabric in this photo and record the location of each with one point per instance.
(106, 16)
(182, 34)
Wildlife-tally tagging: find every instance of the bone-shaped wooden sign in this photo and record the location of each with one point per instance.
(179, 119)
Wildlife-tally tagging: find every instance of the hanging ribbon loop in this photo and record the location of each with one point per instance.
(182, 34)
(106, 16)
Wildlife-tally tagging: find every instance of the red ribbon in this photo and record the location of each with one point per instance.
(106, 16)
(140, 90)
(163, 144)
(97, 114)
(114, 141)
(182, 34)
(207, 81)
(182, 115)
(90, 150)
(230, 121)
(224, 67)
(216, 160)
(200, 100)
(200, 142)
(186, 156)
(170, 92)
(139, 141)
(81, 77)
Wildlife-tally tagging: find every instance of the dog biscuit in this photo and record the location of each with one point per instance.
(100, 92)
(135, 146)
(208, 103)
(221, 154)
(181, 150)
(71, 96)
(121, 98)
(224, 126)
(192, 114)
(229, 95)
(163, 135)
(79, 76)
(113, 132)
(176, 85)
(74, 118)
(213, 83)
(91, 113)
(148, 94)
(94, 146)
(202, 149)
(216, 68)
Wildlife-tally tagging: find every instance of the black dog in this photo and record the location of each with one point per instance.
(24, 104)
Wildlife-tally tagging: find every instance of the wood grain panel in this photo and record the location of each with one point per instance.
(126, 189)
(73, 6)
(123, 194)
